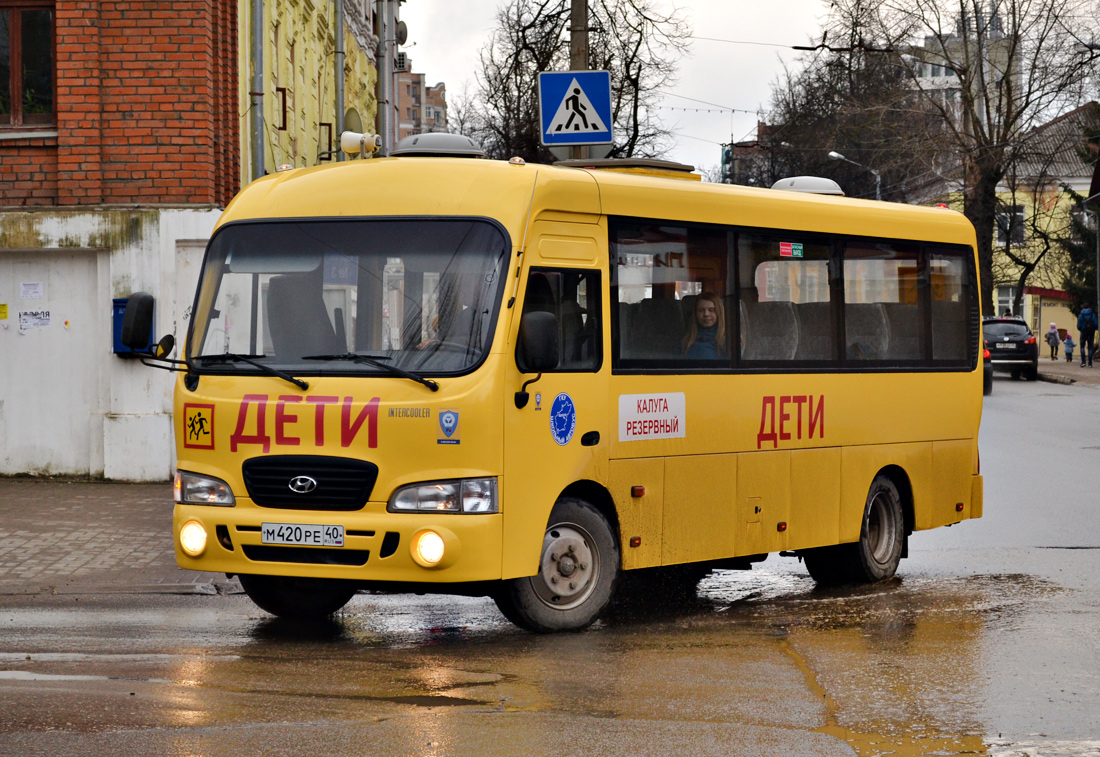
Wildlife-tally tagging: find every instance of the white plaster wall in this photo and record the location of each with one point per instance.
(121, 428)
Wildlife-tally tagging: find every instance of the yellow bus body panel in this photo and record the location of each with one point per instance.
(749, 476)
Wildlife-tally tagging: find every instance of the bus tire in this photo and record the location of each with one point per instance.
(578, 571)
(877, 554)
(882, 535)
(298, 598)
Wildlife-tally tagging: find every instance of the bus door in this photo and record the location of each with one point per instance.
(559, 436)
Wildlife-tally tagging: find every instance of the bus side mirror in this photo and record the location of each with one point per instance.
(137, 321)
(538, 343)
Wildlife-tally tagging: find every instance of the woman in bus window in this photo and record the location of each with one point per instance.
(706, 337)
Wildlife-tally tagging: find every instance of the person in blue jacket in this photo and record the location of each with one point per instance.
(1086, 324)
(706, 337)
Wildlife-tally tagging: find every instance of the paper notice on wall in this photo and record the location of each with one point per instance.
(30, 290)
(33, 319)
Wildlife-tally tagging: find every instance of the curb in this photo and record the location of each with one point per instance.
(1054, 379)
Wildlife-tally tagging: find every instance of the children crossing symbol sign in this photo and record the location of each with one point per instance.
(575, 107)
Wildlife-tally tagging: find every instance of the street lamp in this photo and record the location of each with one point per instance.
(1096, 228)
(878, 177)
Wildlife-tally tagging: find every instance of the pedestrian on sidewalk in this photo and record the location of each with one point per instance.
(1053, 340)
(1069, 344)
(1086, 324)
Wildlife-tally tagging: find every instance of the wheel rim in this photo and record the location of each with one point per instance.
(569, 568)
(881, 528)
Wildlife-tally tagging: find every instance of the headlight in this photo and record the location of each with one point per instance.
(472, 495)
(194, 489)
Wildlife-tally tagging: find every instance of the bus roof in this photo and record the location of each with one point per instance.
(432, 187)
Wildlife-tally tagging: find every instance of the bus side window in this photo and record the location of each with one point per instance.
(669, 290)
(573, 297)
(786, 308)
(949, 283)
(882, 296)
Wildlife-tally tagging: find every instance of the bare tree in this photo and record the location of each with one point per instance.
(943, 96)
(631, 39)
(1010, 66)
(851, 95)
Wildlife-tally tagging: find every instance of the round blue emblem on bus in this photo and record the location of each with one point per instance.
(563, 419)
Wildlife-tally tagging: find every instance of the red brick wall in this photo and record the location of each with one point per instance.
(146, 107)
(28, 172)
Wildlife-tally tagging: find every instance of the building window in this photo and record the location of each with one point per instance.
(1010, 226)
(26, 63)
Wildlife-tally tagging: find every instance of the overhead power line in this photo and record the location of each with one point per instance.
(704, 102)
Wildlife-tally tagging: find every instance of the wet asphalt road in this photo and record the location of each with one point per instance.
(987, 643)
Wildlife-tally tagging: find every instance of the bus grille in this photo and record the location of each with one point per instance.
(339, 483)
(311, 555)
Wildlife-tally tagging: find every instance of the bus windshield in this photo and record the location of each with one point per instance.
(356, 296)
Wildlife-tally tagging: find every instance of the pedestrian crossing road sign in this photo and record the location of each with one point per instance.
(575, 107)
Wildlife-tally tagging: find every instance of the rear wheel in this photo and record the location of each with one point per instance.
(298, 598)
(876, 555)
(1032, 373)
(578, 570)
(987, 384)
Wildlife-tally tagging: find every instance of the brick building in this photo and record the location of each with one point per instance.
(420, 108)
(119, 146)
(121, 142)
(143, 106)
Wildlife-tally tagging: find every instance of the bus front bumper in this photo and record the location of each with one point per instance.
(378, 546)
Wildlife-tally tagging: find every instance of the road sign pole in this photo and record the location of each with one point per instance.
(578, 54)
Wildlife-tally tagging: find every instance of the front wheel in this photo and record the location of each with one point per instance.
(877, 554)
(578, 570)
(298, 598)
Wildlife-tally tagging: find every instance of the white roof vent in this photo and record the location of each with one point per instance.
(438, 145)
(813, 184)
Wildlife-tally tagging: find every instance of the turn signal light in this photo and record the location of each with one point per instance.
(637, 491)
(781, 527)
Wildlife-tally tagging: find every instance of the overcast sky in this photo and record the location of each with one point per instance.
(449, 33)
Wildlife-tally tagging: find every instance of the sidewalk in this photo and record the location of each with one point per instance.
(1061, 372)
(90, 537)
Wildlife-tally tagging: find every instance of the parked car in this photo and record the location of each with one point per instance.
(1012, 346)
(987, 365)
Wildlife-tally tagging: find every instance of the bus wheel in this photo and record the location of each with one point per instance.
(876, 555)
(578, 570)
(882, 536)
(298, 598)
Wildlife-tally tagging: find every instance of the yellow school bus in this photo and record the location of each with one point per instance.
(522, 381)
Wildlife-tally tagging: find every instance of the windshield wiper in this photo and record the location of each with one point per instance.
(377, 363)
(232, 357)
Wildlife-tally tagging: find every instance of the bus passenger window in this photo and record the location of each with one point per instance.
(668, 290)
(573, 297)
(786, 310)
(882, 313)
(950, 315)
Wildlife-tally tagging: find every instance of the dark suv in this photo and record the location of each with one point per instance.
(1012, 347)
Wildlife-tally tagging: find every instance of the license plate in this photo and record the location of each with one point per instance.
(302, 535)
(1003, 346)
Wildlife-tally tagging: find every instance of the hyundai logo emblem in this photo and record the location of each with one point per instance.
(302, 484)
